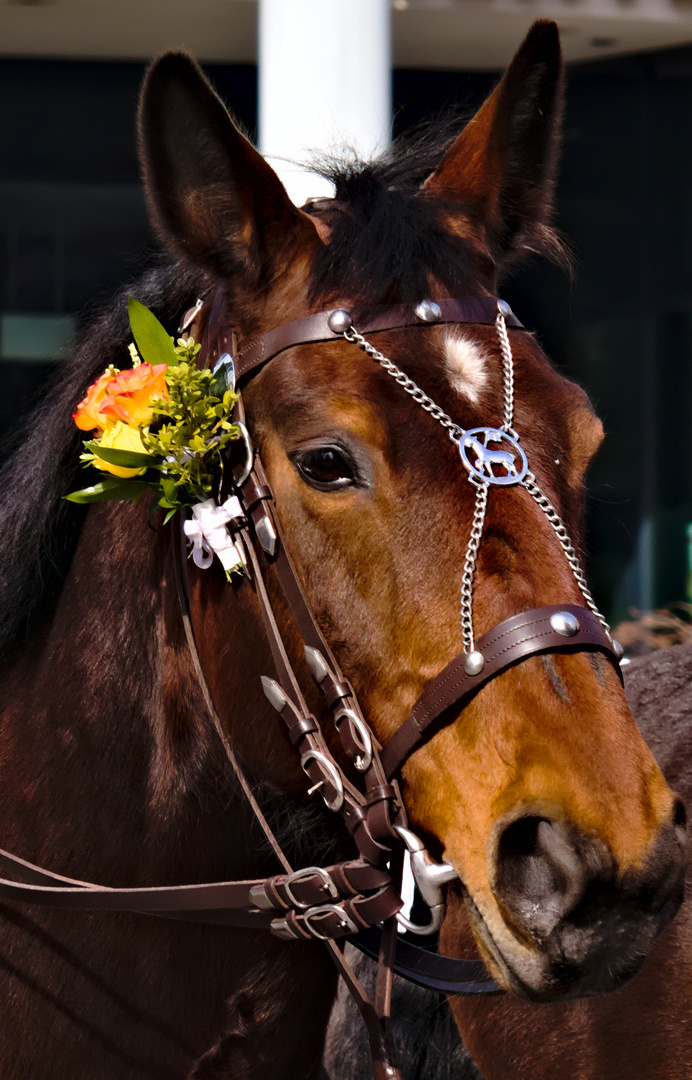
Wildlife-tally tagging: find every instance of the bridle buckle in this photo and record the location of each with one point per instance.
(347, 924)
(307, 872)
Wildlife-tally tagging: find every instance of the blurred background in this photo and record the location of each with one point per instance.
(73, 225)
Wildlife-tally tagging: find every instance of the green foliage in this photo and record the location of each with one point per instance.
(107, 490)
(194, 432)
(187, 437)
(126, 459)
(154, 344)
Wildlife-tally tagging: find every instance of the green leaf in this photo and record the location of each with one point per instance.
(126, 459)
(154, 344)
(108, 489)
(170, 514)
(169, 491)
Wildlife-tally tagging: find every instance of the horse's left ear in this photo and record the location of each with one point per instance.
(211, 195)
(501, 168)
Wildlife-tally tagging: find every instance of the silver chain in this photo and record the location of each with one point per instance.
(456, 433)
(419, 396)
(563, 536)
(507, 373)
(470, 567)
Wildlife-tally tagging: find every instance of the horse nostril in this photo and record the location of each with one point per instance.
(541, 875)
(680, 820)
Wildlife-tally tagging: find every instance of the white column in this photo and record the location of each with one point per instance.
(324, 82)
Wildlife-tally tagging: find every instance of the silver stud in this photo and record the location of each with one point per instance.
(474, 663)
(618, 649)
(504, 309)
(429, 311)
(565, 623)
(339, 321)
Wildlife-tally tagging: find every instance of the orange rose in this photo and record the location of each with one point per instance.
(129, 394)
(87, 415)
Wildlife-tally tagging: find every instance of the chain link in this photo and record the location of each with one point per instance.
(555, 520)
(456, 433)
(419, 396)
(507, 372)
(470, 567)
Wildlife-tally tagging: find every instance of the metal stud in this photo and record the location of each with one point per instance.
(340, 321)
(618, 649)
(429, 311)
(316, 663)
(224, 371)
(504, 309)
(266, 534)
(474, 663)
(273, 693)
(565, 623)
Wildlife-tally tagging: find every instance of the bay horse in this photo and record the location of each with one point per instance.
(541, 794)
(643, 1031)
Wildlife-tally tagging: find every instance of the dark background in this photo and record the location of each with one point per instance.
(73, 228)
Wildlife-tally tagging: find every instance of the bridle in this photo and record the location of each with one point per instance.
(357, 898)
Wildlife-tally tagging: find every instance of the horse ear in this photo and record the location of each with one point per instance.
(211, 195)
(501, 168)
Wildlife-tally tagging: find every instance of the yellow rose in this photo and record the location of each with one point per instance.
(120, 436)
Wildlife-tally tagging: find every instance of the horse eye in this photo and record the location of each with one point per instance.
(327, 468)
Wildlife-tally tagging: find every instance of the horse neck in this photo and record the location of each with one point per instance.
(117, 773)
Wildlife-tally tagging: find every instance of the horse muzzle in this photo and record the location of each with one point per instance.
(564, 922)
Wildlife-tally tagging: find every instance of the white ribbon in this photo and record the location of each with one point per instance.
(209, 535)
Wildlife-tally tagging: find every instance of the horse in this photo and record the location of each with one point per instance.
(641, 1032)
(540, 792)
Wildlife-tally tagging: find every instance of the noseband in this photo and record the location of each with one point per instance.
(356, 897)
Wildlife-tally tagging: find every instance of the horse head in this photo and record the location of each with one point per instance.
(541, 792)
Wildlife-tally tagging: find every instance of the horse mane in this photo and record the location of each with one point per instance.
(39, 529)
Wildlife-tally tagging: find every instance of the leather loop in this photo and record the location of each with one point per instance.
(303, 725)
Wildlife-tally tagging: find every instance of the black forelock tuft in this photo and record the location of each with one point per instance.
(387, 240)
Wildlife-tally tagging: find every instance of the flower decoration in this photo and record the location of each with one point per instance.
(161, 425)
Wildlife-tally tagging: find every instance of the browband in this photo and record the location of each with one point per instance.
(317, 327)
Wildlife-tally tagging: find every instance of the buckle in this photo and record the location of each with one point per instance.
(308, 872)
(360, 736)
(346, 922)
(331, 776)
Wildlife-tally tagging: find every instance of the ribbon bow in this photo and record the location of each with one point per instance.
(209, 535)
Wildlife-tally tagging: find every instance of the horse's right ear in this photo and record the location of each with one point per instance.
(212, 197)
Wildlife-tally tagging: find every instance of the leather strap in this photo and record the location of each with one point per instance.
(381, 799)
(526, 634)
(313, 328)
(431, 970)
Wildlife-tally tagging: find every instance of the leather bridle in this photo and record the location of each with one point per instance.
(356, 897)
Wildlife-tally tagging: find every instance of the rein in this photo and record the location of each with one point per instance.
(358, 899)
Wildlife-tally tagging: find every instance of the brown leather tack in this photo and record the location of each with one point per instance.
(526, 634)
(314, 328)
